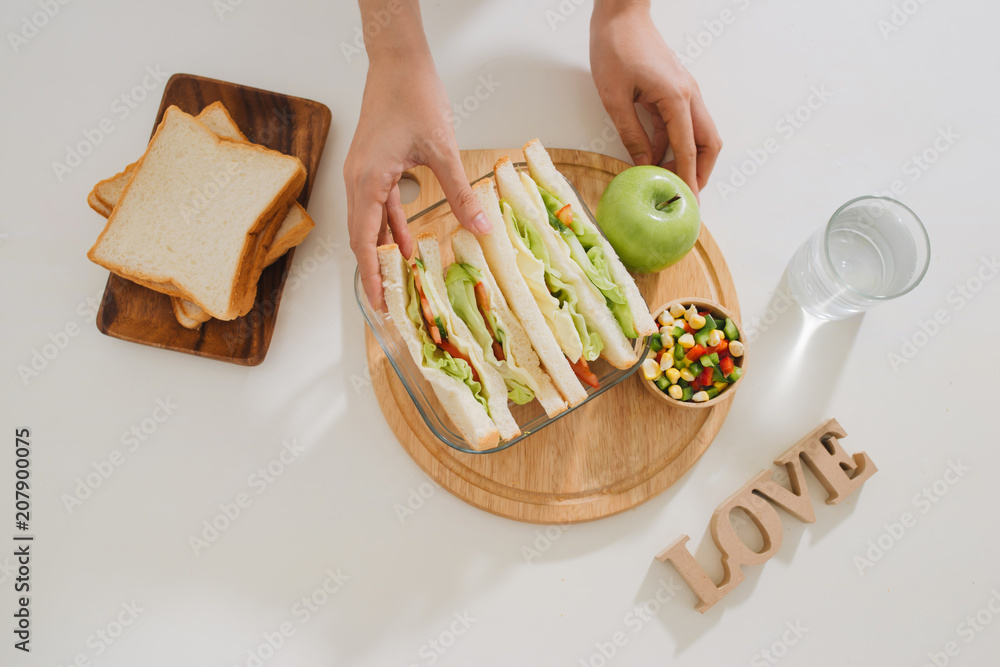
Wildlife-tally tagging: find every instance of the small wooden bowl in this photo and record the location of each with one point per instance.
(718, 311)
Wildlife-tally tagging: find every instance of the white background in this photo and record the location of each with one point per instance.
(336, 505)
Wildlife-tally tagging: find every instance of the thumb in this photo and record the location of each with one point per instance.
(451, 174)
(630, 129)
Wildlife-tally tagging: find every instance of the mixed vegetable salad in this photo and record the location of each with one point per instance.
(693, 357)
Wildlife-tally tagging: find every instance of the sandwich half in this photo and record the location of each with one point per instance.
(471, 391)
(598, 333)
(590, 249)
(476, 299)
(524, 279)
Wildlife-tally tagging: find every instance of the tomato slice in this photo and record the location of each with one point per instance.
(584, 373)
(565, 216)
(448, 347)
(425, 306)
(498, 351)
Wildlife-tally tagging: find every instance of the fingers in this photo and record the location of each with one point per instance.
(448, 169)
(659, 142)
(397, 222)
(707, 139)
(676, 113)
(631, 131)
(384, 235)
(366, 217)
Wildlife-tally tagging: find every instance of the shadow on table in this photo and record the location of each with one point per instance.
(794, 364)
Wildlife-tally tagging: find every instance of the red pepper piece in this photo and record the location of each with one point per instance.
(696, 353)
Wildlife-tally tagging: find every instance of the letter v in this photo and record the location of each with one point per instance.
(797, 501)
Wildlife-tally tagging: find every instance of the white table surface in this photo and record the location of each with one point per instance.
(334, 507)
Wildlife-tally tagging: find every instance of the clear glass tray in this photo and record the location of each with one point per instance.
(531, 417)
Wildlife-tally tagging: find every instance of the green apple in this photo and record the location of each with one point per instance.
(650, 216)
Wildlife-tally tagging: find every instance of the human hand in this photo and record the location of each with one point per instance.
(405, 121)
(632, 64)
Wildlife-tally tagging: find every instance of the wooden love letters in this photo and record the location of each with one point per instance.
(840, 474)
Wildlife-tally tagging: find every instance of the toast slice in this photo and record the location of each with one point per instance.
(198, 215)
(522, 355)
(293, 230)
(545, 174)
(461, 406)
(500, 254)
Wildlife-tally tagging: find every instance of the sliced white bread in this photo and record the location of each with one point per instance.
(493, 384)
(96, 204)
(467, 251)
(522, 194)
(293, 230)
(465, 412)
(544, 172)
(501, 256)
(183, 317)
(198, 214)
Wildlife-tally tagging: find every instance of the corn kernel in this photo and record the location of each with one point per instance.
(666, 340)
(666, 361)
(673, 375)
(676, 310)
(691, 312)
(736, 348)
(686, 341)
(687, 375)
(700, 397)
(675, 391)
(697, 321)
(651, 369)
(665, 319)
(715, 337)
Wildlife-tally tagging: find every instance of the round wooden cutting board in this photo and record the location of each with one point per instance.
(618, 450)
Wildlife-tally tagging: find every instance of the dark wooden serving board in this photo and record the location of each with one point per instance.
(292, 125)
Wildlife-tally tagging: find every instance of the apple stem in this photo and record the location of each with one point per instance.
(662, 205)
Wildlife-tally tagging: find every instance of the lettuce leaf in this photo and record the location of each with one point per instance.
(587, 252)
(434, 356)
(461, 280)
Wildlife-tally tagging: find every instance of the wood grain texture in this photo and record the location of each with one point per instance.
(292, 125)
(613, 453)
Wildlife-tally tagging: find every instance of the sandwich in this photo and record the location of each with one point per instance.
(479, 303)
(578, 274)
(471, 391)
(598, 258)
(524, 280)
